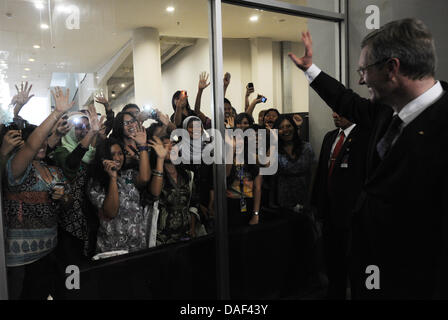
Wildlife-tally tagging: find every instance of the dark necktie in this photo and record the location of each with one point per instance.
(392, 132)
(335, 153)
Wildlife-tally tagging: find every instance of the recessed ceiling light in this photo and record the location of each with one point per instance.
(36, 46)
(170, 9)
(27, 69)
(44, 26)
(253, 18)
(123, 85)
(113, 95)
(39, 5)
(31, 60)
(24, 77)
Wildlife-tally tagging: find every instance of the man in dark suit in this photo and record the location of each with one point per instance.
(337, 185)
(400, 224)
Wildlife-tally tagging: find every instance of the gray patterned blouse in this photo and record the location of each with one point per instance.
(127, 231)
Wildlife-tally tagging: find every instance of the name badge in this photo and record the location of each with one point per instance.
(344, 165)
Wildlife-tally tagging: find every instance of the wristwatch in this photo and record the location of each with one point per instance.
(255, 213)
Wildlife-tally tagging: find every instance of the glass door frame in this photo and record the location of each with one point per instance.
(216, 63)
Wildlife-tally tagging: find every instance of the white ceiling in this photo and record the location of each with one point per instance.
(105, 26)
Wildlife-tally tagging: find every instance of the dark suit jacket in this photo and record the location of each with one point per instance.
(401, 215)
(335, 204)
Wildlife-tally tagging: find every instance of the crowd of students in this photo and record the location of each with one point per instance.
(80, 184)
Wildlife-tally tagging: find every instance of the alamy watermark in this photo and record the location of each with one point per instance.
(241, 147)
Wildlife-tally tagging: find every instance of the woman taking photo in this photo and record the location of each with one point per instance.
(77, 234)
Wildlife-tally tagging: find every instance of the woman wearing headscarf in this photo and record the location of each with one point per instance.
(77, 227)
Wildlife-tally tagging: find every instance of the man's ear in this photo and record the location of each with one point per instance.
(393, 67)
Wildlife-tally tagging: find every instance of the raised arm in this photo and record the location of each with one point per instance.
(111, 203)
(109, 113)
(342, 100)
(34, 142)
(253, 104)
(166, 121)
(180, 105)
(144, 171)
(249, 90)
(203, 78)
(155, 188)
(226, 82)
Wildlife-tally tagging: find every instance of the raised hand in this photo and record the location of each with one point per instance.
(163, 117)
(143, 116)
(307, 60)
(62, 127)
(249, 90)
(21, 98)
(93, 119)
(110, 167)
(11, 140)
(100, 98)
(226, 79)
(231, 122)
(257, 100)
(297, 119)
(140, 136)
(203, 78)
(62, 103)
(157, 145)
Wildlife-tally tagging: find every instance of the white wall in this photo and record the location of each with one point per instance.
(182, 73)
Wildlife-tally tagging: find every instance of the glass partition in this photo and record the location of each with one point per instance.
(118, 202)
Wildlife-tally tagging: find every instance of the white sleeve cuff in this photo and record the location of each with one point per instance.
(312, 72)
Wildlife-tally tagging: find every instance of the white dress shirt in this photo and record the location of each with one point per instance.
(346, 133)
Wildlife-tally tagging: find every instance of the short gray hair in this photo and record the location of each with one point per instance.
(410, 41)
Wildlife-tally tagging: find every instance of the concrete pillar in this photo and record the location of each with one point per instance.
(147, 67)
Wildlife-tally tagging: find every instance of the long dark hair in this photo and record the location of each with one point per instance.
(130, 106)
(297, 140)
(253, 169)
(243, 115)
(117, 128)
(176, 96)
(96, 168)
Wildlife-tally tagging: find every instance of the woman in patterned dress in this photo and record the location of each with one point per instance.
(117, 193)
(174, 189)
(31, 188)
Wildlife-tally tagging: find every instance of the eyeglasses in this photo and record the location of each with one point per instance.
(127, 123)
(362, 70)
